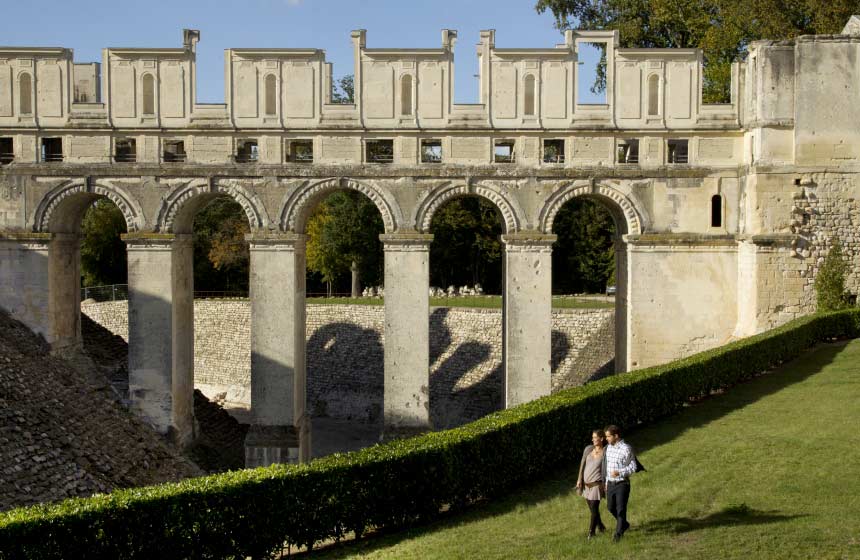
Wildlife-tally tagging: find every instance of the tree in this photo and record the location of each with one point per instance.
(221, 259)
(830, 280)
(103, 254)
(343, 237)
(466, 248)
(584, 255)
(344, 90)
(723, 29)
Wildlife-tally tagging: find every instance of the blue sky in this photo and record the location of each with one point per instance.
(87, 26)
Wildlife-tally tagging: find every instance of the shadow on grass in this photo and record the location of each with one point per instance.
(713, 408)
(733, 516)
(562, 482)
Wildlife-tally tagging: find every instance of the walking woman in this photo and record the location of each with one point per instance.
(590, 483)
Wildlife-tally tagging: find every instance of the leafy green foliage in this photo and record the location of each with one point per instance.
(466, 248)
(344, 90)
(830, 280)
(103, 253)
(256, 512)
(221, 260)
(345, 227)
(721, 28)
(583, 258)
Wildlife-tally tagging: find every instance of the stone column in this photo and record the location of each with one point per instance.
(64, 292)
(527, 316)
(161, 332)
(280, 432)
(406, 401)
(24, 290)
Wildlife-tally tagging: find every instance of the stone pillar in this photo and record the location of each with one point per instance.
(64, 289)
(406, 401)
(161, 332)
(280, 432)
(527, 316)
(24, 290)
(622, 301)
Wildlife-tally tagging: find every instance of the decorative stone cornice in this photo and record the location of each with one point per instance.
(529, 242)
(150, 241)
(276, 241)
(406, 242)
(681, 240)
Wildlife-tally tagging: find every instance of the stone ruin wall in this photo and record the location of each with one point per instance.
(345, 355)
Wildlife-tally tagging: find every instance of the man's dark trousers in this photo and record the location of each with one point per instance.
(617, 494)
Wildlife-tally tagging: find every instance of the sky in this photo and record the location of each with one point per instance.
(87, 26)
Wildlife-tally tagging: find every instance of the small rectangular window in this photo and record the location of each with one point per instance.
(627, 151)
(379, 151)
(677, 152)
(247, 151)
(301, 151)
(174, 151)
(126, 150)
(503, 151)
(553, 151)
(7, 151)
(52, 149)
(431, 151)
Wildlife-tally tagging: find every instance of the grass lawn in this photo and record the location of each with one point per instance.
(493, 302)
(766, 471)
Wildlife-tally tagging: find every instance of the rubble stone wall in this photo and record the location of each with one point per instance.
(345, 355)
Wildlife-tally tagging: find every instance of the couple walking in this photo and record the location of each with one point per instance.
(605, 470)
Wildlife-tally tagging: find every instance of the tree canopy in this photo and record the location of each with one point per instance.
(583, 258)
(103, 254)
(221, 260)
(723, 29)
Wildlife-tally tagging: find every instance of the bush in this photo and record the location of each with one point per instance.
(254, 512)
(830, 281)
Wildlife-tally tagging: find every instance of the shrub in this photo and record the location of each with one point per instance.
(830, 281)
(254, 512)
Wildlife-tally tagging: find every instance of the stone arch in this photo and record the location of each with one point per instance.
(62, 208)
(176, 214)
(623, 210)
(298, 204)
(436, 198)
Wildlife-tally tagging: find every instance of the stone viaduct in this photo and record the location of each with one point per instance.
(723, 211)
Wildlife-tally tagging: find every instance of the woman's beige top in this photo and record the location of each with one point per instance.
(591, 473)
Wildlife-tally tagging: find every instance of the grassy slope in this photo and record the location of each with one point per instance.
(767, 471)
(467, 301)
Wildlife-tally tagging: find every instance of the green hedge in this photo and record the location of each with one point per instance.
(254, 512)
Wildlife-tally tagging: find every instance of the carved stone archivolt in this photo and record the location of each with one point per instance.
(619, 204)
(512, 214)
(187, 191)
(299, 203)
(53, 201)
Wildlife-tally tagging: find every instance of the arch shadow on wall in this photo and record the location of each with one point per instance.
(298, 204)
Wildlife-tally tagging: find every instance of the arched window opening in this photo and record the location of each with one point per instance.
(653, 95)
(271, 95)
(529, 95)
(406, 95)
(716, 211)
(148, 94)
(25, 96)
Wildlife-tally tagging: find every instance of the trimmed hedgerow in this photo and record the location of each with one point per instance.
(255, 512)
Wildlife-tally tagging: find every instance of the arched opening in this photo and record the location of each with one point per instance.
(529, 85)
(25, 94)
(406, 95)
(345, 317)
(148, 85)
(271, 95)
(653, 95)
(716, 211)
(588, 286)
(466, 279)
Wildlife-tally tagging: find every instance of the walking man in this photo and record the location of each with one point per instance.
(620, 463)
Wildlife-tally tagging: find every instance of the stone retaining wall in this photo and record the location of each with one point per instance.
(345, 355)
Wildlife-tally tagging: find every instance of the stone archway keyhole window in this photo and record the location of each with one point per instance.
(271, 95)
(529, 85)
(148, 94)
(25, 87)
(406, 95)
(716, 211)
(653, 95)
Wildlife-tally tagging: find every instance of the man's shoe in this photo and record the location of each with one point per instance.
(616, 537)
(601, 529)
(590, 536)
(626, 526)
